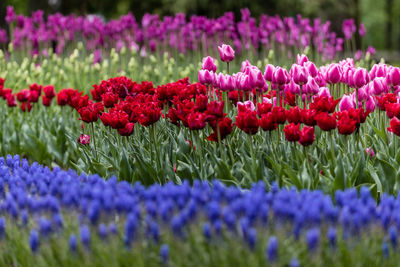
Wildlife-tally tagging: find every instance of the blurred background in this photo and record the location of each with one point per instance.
(381, 18)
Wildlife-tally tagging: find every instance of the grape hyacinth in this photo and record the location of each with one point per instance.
(105, 217)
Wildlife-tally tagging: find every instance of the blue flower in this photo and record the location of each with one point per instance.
(2, 226)
(102, 230)
(312, 238)
(164, 253)
(34, 240)
(85, 235)
(44, 226)
(294, 263)
(207, 230)
(332, 236)
(72, 242)
(272, 249)
(393, 236)
(385, 250)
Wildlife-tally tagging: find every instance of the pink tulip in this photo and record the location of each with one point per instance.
(364, 93)
(206, 77)
(280, 76)
(346, 103)
(311, 86)
(394, 76)
(269, 71)
(311, 68)
(370, 104)
(243, 82)
(209, 64)
(248, 104)
(293, 87)
(379, 86)
(361, 77)
(324, 92)
(299, 74)
(370, 152)
(245, 65)
(301, 59)
(226, 53)
(334, 74)
(84, 139)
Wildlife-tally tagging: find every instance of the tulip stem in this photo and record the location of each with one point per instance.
(227, 67)
(278, 98)
(153, 140)
(356, 98)
(94, 141)
(253, 160)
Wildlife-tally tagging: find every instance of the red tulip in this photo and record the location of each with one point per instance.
(91, 112)
(127, 130)
(248, 122)
(225, 127)
(279, 115)
(307, 136)
(267, 122)
(324, 104)
(215, 109)
(26, 106)
(394, 126)
(149, 115)
(292, 132)
(49, 91)
(293, 115)
(346, 125)
(307, 117)
(385, 99)
(11, 102)
(325, 121)
(196, 121)
(36, 87)
(201, 103)
(263, 108)
(23, 95)
(46, 101)
(33, 96)
(109, 99)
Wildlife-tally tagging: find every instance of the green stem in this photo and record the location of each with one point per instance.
(94, 141)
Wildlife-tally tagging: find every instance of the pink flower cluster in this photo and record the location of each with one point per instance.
(36, 33)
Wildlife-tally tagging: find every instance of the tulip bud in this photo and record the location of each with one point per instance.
(299, 74)
(334, 74)
(208, 63)
(226, 53)
(370, 152)
(361, 77)
(280, 76)
(311, 68)
(269, 71)
(346, 103)
(394, 76)
(301, 59)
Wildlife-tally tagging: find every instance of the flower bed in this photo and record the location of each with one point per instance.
(52, 217)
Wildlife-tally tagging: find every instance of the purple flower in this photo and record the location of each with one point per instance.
(226, 53)
(72, 243)
(209, 64)
(85, 235)
(102, 230)
(34, 240)
(272, 249)
(10, 15)
(164, 253)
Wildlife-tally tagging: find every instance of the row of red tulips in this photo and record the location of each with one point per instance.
(120, 103)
